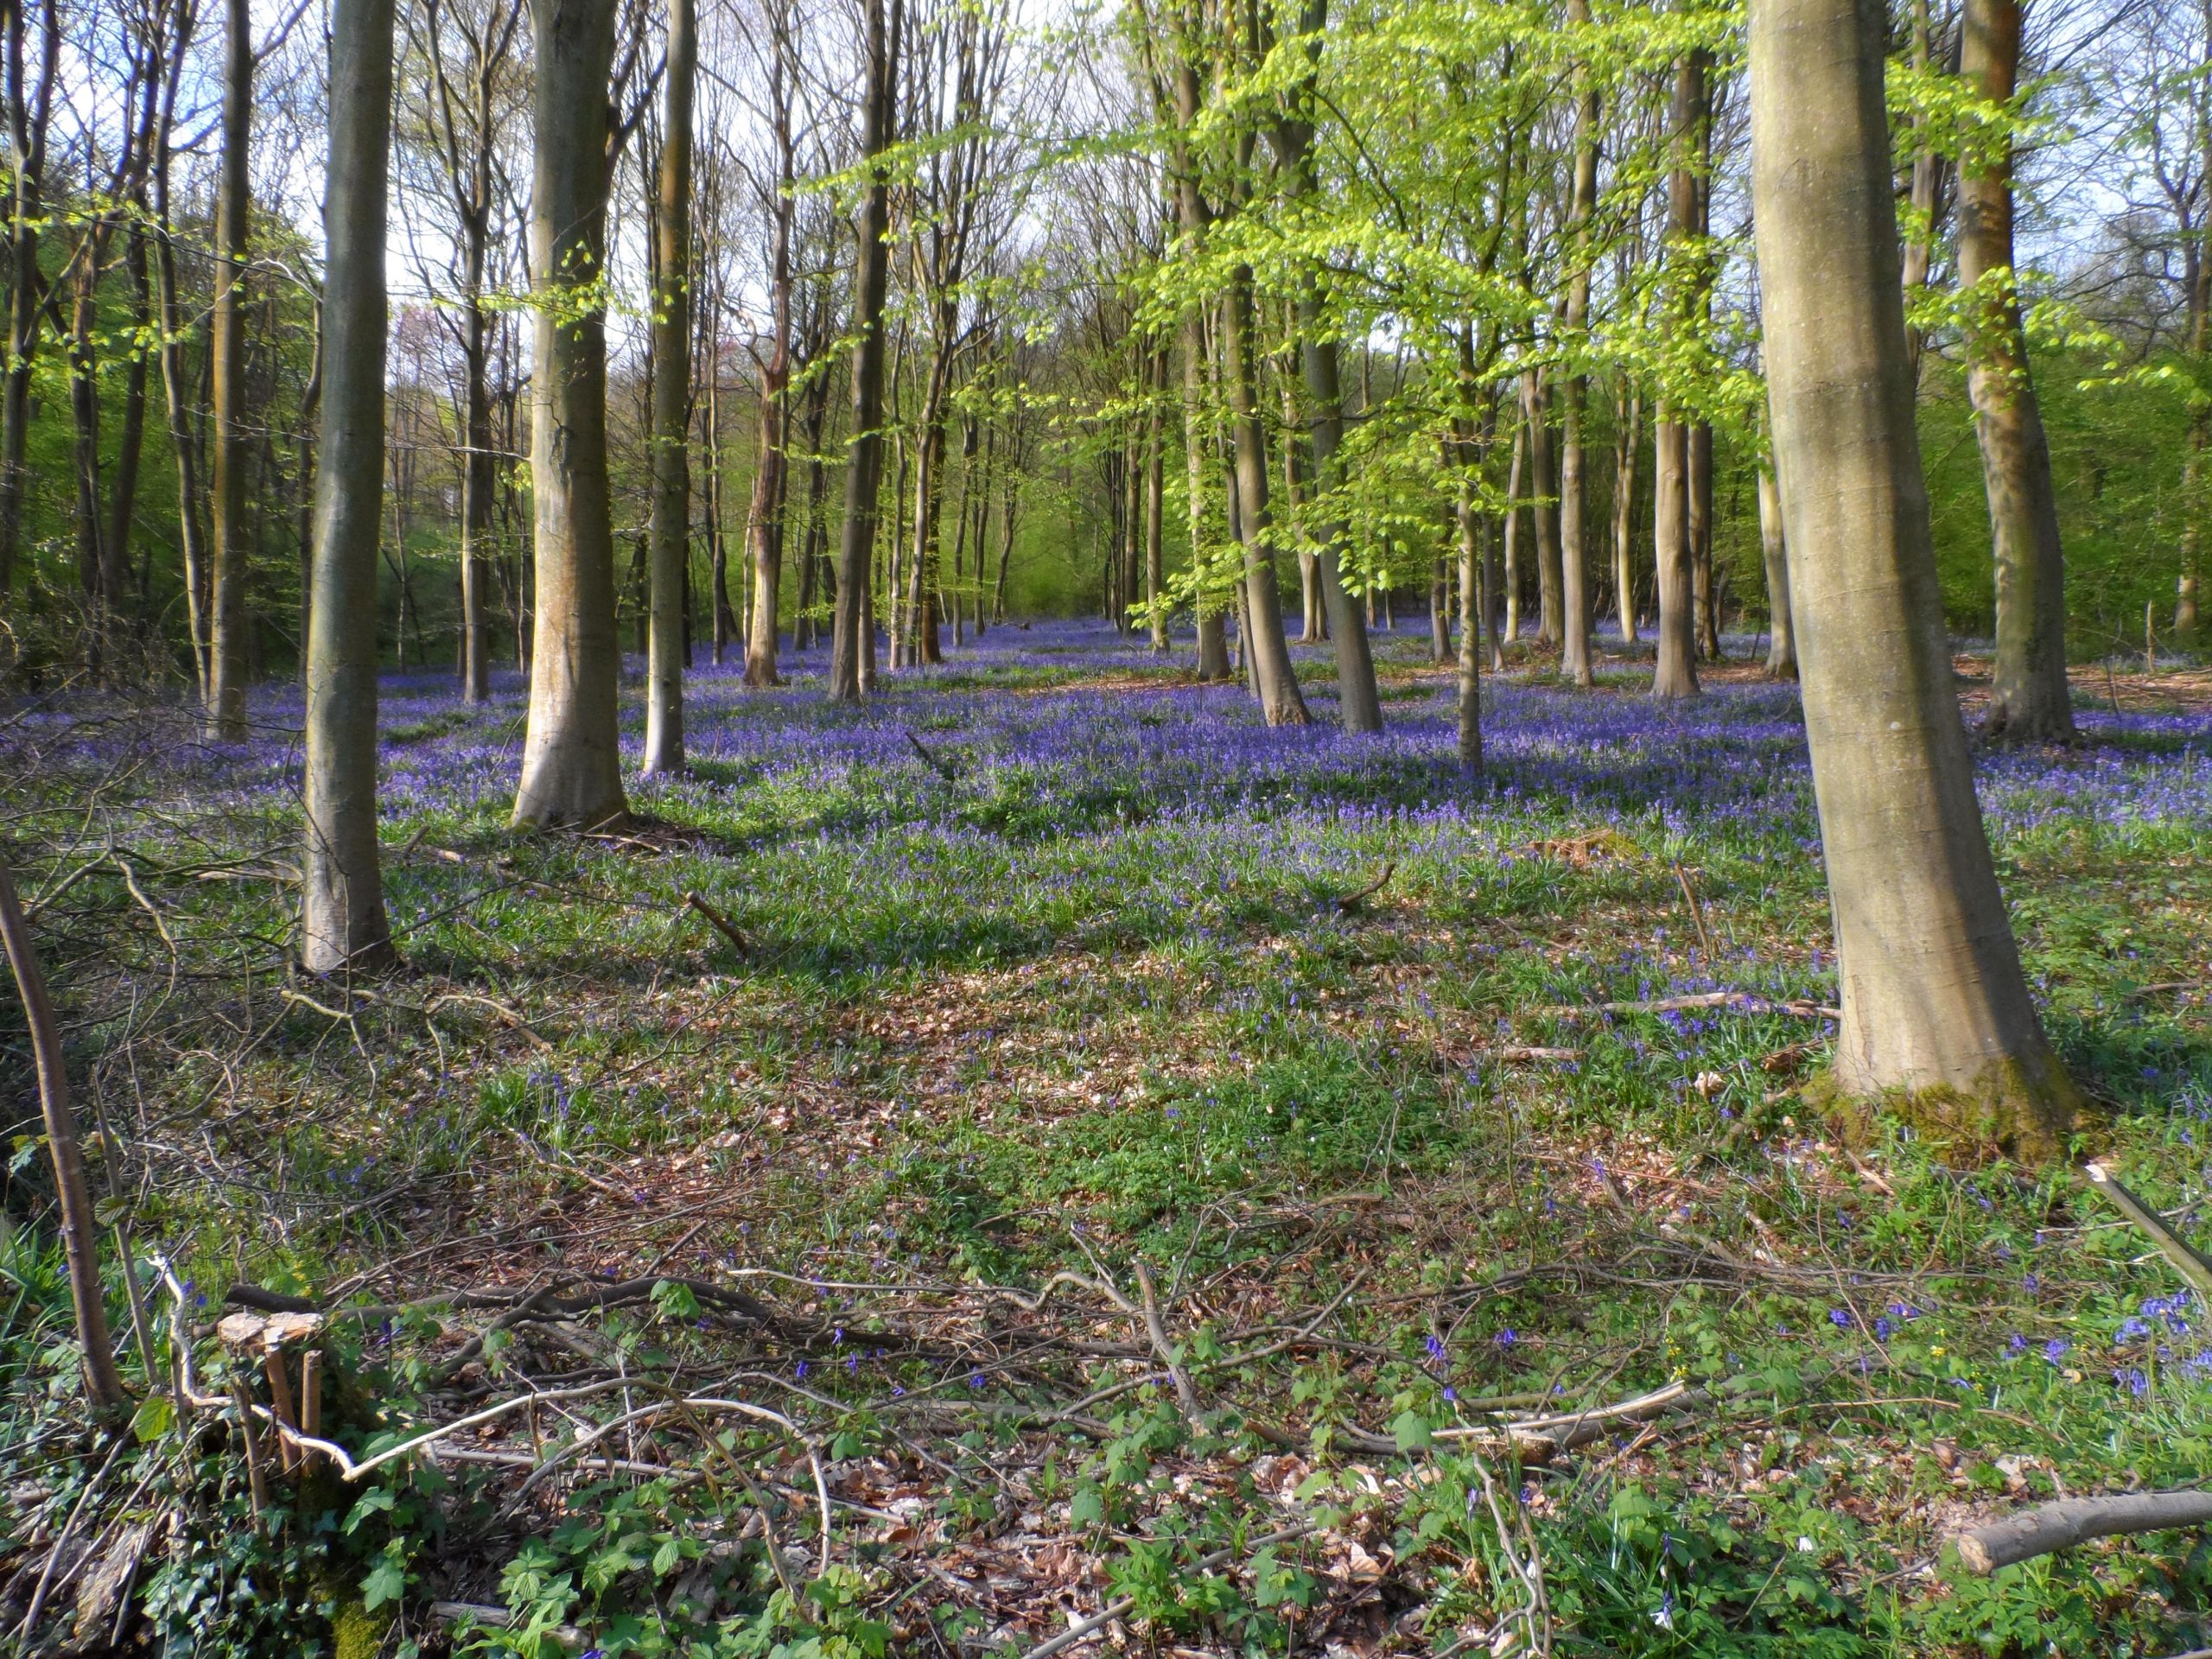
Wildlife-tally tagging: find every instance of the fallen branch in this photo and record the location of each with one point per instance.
(1352, 901)
(1736, 1002)
(2071, 1521)
(722, 925)
(2188, 1261)
(943, 768)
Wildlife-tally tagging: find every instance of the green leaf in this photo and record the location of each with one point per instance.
(153, 1418)
(1412, 1431)
(386, 1582)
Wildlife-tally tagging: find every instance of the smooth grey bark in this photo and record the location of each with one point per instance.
(1575, 653)
(571, 762)
(1155, 491)
(1673, 549)
(2028, 697)
(1543, 508)
(226, 413)
(852, 647)
(1933, 1000)
(1359, 700)
(764, 520)
(343, 925)
(1267, 649)
(668, 570)
(1510, 573)
(1675, 675)
(1628, 439)
(1774, 546)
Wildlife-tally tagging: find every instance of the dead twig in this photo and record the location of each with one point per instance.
(943, 768)
(1352, 901)
(721, 923)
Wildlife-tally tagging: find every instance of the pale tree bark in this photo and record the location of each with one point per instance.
(669, 572)
(1516, 470)
(1359, 700)
(765, 520)
(226, 414)
(1268, 651)
(1676, 673)
(176, 391)
(1193, 215)
(1543, 507)
(571, 762)
(343, 926)
(1628, 439)
(1774, 546)
(1934, 1004)
(1575, 654)
(464, 117)
(852, 651)
(1673, 550)
(1156, 493)
(2029, 697)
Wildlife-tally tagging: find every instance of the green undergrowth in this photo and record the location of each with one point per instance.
(988, 1030)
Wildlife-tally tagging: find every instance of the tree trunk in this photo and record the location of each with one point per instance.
(1543, 495)
(342, 921)
(123, 500)
(2029, 697)
(29, 104)
(1516, 470)
(1677, 673)
(1673, 548)
(226, 653)
(571, 764)
(1360, 703)
(1781, 640)
(1575, 655)
(1275, 681)
(1470, 527)
(1932, 996)
(853, 642)
(669, 575)
(1698, 451)
(1628, 439)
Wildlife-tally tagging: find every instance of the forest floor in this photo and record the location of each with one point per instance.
(1125, 1135)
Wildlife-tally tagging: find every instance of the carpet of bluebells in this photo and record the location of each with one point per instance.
(1053, 956)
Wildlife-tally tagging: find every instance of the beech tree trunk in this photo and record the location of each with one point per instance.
(1543, 510)
(1358, 699)
(670, 569)
(1575, 654)
(342, 920)
(1266, 647)
(2029, 696)
(1629, 441)
(1781, 639)
(1673, 550)
(1155, 554)
(852, 648)
(1933, 1000)
(1676, 673)
(571, 762)
(226, 652)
